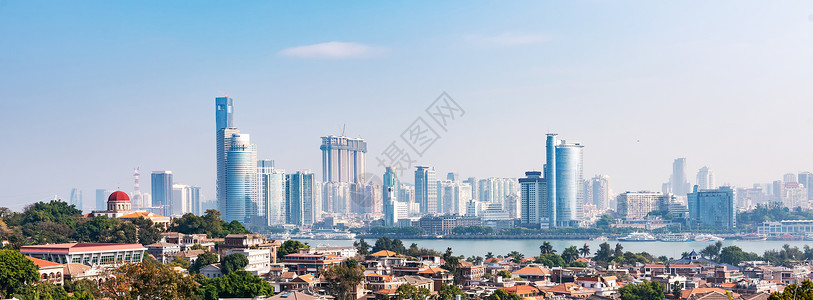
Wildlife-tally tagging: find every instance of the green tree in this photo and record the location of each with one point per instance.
(83, 286)
(237, 284)
(290, 247)
(505, 274)
(408, 292)
(362, 246)
(489, 255)
(619, 250)
(712, 251)
(148, 232)
(148, 280)
(604, 253)
(516, 257)
(501, 294)
(646, 290)
(385, 243)
(570, 254)
(234, 227)
(43, 290)
(449, 292)
(204, 259)
(180, 262)
(343, 279)
(233, 262)
(546, 248)
(734, 255)
(585, 250)
(605, 221)
(676, 288)
(452, 264)
(16, 272)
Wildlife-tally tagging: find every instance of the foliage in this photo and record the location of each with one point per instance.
(83, 286)
(733, 255)
(570, 254)
(362, 246)
(505, 274)
(148, 280)
(619, 250)
(205, 259)
(794, 291)
(452, 264)
(477, 260)
(516, 257)
(210, 224)
(179, 262)
(605, 221)
(237, 284)
(449, 292)
(675, 289)
(408, 292)
(632, 258)
(551, 260)
(771, 212)
(712, 251)
(343, 278)
(15, 272)
(148, 232)
(43, 290)
(786, 255)
(501, 294)
(471, 230)
(290, 247)
(578, 264)
(646, 290)
(604, 254)
(385, 243)
(546, 248)
(584, 250)
(233, 262)
(414, 251)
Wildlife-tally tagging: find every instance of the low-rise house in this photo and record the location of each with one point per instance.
(420, 282)
(602, 285)
(410, 268)
(650, 270)
(50, 272)
(259, 260)
(302, 264)
(533, 273)
(755, 286)
(570, 290)
(189, 255)
(686, 294)
(187, 241)
(294, 295)
(163, 251)
(524, 291)
(685, 269)
(375, 282)
(471, 271)
(438, 275)
(212, 271)
(343, 252)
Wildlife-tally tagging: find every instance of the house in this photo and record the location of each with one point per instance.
(163, 251)
(685, 269)
(470, 271)
(686, 294)
(524, 291)
(293, 296)
(251, 241)
(533, 273)
(189, 255)
(302, 264)
(212, 271)
(602, 285)
(420, 282)
(650, 270)
(570, 290)
(50, 272)
(90, 254)
(186, 241)
(259, 260)
(343, 252)
(375, 282)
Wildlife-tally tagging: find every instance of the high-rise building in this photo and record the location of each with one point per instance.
(241, 180)
(453, 197)
(299, 199)
(636, 205)
(806, 178)
(185, 199)
(271, 192)
(712, 208)
(224, 109)
(161, 186)
(705, 178)
(680, 183)
(600, 191)
(76, 199)
(426, 189)
(343, 159)
(795, 195)
(137, 199)
(474, 191)
(533, 199)
(224, 130)
(789, 177)
(406, 193)
(101, 198)
(565, 177)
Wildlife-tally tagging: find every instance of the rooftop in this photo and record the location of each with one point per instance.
(79, 248)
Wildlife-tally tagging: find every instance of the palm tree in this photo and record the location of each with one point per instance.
(546, 248)
(584, 251)
(489, 255)
(516, 256)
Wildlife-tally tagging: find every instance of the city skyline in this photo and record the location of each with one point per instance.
(158, 112)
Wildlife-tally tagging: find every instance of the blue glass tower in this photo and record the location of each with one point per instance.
(565, 180)
(224, 108)
(161, 186)
(241, 180)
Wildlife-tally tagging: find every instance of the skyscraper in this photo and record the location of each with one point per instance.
(705, 178)
(426, 189)
(636, 205)
(76, 199)
(241, 180)
(272, 192)
(224, 130)
(565, 176)
(101, 198)
(299, 199)
(533, 199)
(600, 191)
(343, 159)
(712, 208)
(185, 199)
(806, 178)
(680, 183)
(390, 183)
(161, 186)
(224, 108)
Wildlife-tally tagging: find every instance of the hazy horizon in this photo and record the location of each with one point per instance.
(92, 89)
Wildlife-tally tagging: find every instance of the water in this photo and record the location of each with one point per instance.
(531, 247)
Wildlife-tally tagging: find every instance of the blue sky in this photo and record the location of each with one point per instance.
(91, 89)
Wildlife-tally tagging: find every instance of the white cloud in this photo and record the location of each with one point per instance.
(507, 39)
(332, 50)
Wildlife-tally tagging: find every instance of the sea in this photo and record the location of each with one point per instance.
(530, 247)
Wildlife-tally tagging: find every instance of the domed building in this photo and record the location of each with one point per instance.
(119, 207)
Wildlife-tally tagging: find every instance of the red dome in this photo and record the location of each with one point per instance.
(118, 196)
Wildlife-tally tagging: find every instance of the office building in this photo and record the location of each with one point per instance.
(680, 183)
(426, 189)
(343, 159)
(241, 202)
(600, 191)
(271, 191)
(161, 192)
(474, 188)
(76, 199)
(705, 178)
(495, 190)
(101, 198)
(390, 185)
(533, 199)
(453, 196)
(299, 199)
(406, 193)
(806, 178)
(795, 195)
(636, 205)
(224, 130)
(789, 177)
(565, 177)
(185, 199)
(712, 208)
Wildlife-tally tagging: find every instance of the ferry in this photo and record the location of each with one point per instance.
(752, 237)
(674, 237)
(638, 237)
(707, 238)
(601, 239)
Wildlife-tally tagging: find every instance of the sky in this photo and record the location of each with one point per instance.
(93, 89)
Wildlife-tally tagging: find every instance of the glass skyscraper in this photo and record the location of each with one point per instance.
(161, 188)
(565, 180)
(426, 189)
(272, 192)
(299, 199)
(533, 199)
(241, 180)
(713, 207)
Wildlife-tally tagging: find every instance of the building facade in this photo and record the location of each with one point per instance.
(533, 199)
(271, 189)
(300, 205)
(426, 191)
(161, 188)
(713, 208)
(636, 205)
(241, 180)
(565, 176)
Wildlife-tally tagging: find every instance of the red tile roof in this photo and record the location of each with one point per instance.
(79, 248)
(42, 263)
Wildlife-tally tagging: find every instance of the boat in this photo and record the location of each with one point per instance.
(674, 237)
(707, 238)
(601, 239)
(334, 236)
(638, 237)
(752, 237)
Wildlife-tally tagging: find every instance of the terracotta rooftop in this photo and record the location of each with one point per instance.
(42, 263)
(139, 214)
(521, 289)
(79, 248)
(384, 253)
(688, 293)
(532, 270)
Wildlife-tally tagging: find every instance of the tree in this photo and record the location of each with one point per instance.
(148, 232)
(570, 254)
(452, 264)
(408, 292)
(234, 227)
(15, 272)
(585, 250)
(385, 243)
(646, 290)
(551, 260)
(449, 292)
(676, 288)
(489, 255)
(290, 247)
(604, 253)
(734, 255)
(794, 291)
(505, 274)
(619, 250)
(546, 248)
(233, 262)
(148, 280)
(180, 262)
(42, 290)
(343, 279)
(83, 286)
(205, 259)
(516, 257)
(605, 221)
(363, 247)
(501, 294)
(237, 284)
(712, 251)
